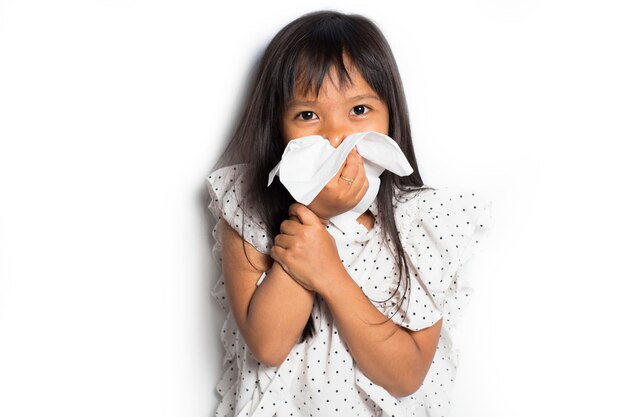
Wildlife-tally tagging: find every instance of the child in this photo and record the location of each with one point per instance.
(322, 321)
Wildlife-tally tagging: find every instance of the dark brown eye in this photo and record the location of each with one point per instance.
(306, 115)
(359, 110)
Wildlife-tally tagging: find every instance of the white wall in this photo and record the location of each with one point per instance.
(112, 113)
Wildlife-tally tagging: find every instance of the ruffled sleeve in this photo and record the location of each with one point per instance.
(440, 230)
(226, 188)
(226, 191)
(246, 387)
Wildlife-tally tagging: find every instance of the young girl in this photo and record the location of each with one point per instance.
(322, 321)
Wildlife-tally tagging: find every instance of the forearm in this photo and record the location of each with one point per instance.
(277, 314)
(386, 353)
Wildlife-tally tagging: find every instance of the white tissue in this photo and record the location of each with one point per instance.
(310, 162)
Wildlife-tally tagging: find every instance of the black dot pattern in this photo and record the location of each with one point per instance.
(439, 230)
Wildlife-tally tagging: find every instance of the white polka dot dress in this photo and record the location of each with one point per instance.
(439, 230)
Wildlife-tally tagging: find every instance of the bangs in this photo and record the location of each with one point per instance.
(312, 69)
(334, 46)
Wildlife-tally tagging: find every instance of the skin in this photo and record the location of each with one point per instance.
(304, 259)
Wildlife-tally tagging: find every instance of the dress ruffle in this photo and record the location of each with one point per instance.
(439, 231)
(259, 396)
(227, 191)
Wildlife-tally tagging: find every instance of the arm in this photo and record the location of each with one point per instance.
(391, 356)
(270, 317)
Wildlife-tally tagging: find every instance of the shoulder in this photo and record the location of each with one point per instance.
(228, 188)
(432, 198)
(442, 205)
(440, 227)
(228, 179)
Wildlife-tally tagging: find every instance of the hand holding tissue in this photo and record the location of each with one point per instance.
(310, 162)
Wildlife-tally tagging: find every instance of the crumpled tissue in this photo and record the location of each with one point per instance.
(310, 162)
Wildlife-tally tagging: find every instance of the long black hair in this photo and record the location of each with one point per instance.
(301, 55)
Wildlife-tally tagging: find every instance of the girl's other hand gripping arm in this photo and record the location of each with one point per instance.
(306, 251)
(270, 317)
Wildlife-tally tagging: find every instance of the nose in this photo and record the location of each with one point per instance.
(335, 133)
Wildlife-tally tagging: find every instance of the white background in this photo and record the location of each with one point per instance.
(113, 112)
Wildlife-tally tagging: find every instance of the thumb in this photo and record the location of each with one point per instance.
(303, 213)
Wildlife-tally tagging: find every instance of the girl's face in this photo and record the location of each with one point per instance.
(335, 113)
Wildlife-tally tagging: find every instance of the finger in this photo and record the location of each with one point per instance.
(279, 241)
(363, 189)
(290, 227)
(351, 167)
(278, 254)
(283, 241)
(360, 185)
(353, 188)
(359, 175)
(343, 165)
(304, 215)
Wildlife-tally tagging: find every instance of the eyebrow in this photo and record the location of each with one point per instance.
(364, 96)
(301, 103)
(312, 103)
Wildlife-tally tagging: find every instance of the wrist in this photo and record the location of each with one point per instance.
(335, 285)
(323, 217)
(324, 220)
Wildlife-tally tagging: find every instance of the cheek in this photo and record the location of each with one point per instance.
(288, 133)
(291, 130)
(286, 130)
(382, 124)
